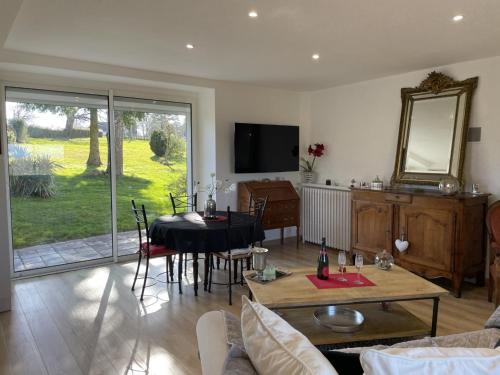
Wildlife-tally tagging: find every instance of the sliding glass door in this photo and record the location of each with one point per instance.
(151, 160)
(61, 173)
(58, 175)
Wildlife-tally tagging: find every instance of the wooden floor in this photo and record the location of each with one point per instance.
(89, 322)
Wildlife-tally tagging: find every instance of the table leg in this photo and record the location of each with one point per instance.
(207, 270)
(435, 306)
(195, 273)
(179, 273)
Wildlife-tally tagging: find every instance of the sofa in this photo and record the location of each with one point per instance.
(223, 349)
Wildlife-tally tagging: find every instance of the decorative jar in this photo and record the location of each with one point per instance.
(449, 185)
(377, 184)
(210, 208)
(384, 260)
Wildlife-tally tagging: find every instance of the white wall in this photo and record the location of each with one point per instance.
(359, 124)
(243, 103)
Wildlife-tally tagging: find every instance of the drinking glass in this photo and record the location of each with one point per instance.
(342, 262)
(358, 262)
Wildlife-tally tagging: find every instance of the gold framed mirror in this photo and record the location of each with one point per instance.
(433, 130)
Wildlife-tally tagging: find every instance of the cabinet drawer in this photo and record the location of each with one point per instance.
(403, 198)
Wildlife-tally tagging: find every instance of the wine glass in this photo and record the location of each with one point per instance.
(342, 262)
(358, 262)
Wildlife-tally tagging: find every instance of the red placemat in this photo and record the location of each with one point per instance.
(332, 281)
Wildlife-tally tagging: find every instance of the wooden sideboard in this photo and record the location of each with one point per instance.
(446, 233)
(283, 205)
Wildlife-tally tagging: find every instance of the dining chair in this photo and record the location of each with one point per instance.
(148, 250)
(257, 210)
(493, 225)
(228, 250)
(184, 203)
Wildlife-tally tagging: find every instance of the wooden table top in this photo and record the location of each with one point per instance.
(296, 290)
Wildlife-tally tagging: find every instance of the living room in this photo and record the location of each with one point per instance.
(338, 74)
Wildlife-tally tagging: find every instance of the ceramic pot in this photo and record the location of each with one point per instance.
(308, 177)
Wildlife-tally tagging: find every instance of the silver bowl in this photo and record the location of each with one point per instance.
(339, 318)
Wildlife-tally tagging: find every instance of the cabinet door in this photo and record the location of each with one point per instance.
(371, 226)
(431, 234)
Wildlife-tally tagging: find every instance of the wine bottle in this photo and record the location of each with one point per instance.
(323, 270)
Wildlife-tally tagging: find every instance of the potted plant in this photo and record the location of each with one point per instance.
(316, 151)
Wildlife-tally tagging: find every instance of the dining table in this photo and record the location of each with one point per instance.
(191, 232)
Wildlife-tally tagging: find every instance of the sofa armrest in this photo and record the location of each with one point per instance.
(212, 342)
(494, 320)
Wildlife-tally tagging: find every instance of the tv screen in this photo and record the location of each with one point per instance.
(266, 148)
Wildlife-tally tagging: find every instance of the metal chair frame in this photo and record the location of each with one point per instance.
(186, 203)
(258, 211)
(141, 220)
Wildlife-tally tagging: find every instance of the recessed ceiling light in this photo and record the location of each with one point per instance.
(315, 56)
(252, 14)
(189, 46)
(458, 18)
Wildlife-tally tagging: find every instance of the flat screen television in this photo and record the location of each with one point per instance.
(266, 148)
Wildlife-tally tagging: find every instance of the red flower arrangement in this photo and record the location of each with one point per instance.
(317, 150)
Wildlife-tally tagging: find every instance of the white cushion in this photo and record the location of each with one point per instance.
(275, 347)
(431, 360)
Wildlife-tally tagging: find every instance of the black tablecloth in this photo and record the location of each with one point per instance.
(189, 233)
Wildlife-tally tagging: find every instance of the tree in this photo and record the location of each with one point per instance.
(123, 120)
(71, 113)
(20, 128)
(94, 159)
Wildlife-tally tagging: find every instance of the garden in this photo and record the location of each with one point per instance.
(56, 196)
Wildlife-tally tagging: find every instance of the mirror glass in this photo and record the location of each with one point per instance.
(433, 130)
(430, 139)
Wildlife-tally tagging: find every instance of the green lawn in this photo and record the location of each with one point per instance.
(82, 206)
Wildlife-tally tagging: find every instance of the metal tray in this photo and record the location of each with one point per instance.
(279, 275)
(339, 318)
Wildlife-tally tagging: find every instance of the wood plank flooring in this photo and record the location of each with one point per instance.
(89, 322)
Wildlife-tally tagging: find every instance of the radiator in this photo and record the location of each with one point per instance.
(326, 212)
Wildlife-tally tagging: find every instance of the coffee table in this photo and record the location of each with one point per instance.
(295, 298)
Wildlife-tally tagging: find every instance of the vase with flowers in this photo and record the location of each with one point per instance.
(211, 190)
(316, 151)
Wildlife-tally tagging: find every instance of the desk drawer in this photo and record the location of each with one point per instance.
(402, 198)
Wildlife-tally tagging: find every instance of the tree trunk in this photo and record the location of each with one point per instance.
(70, 122)
(119, 146)
(94, 155)
(119, 127)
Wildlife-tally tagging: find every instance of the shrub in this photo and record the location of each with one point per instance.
(35, 132)
(32, 176)
(176, 147)
(158, 142)
(20, 128)
(11, 135)
(18, 151)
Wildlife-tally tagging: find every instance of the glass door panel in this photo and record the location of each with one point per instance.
(152, 142)
(59, 178)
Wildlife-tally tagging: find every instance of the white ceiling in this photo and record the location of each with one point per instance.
(356, 39)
